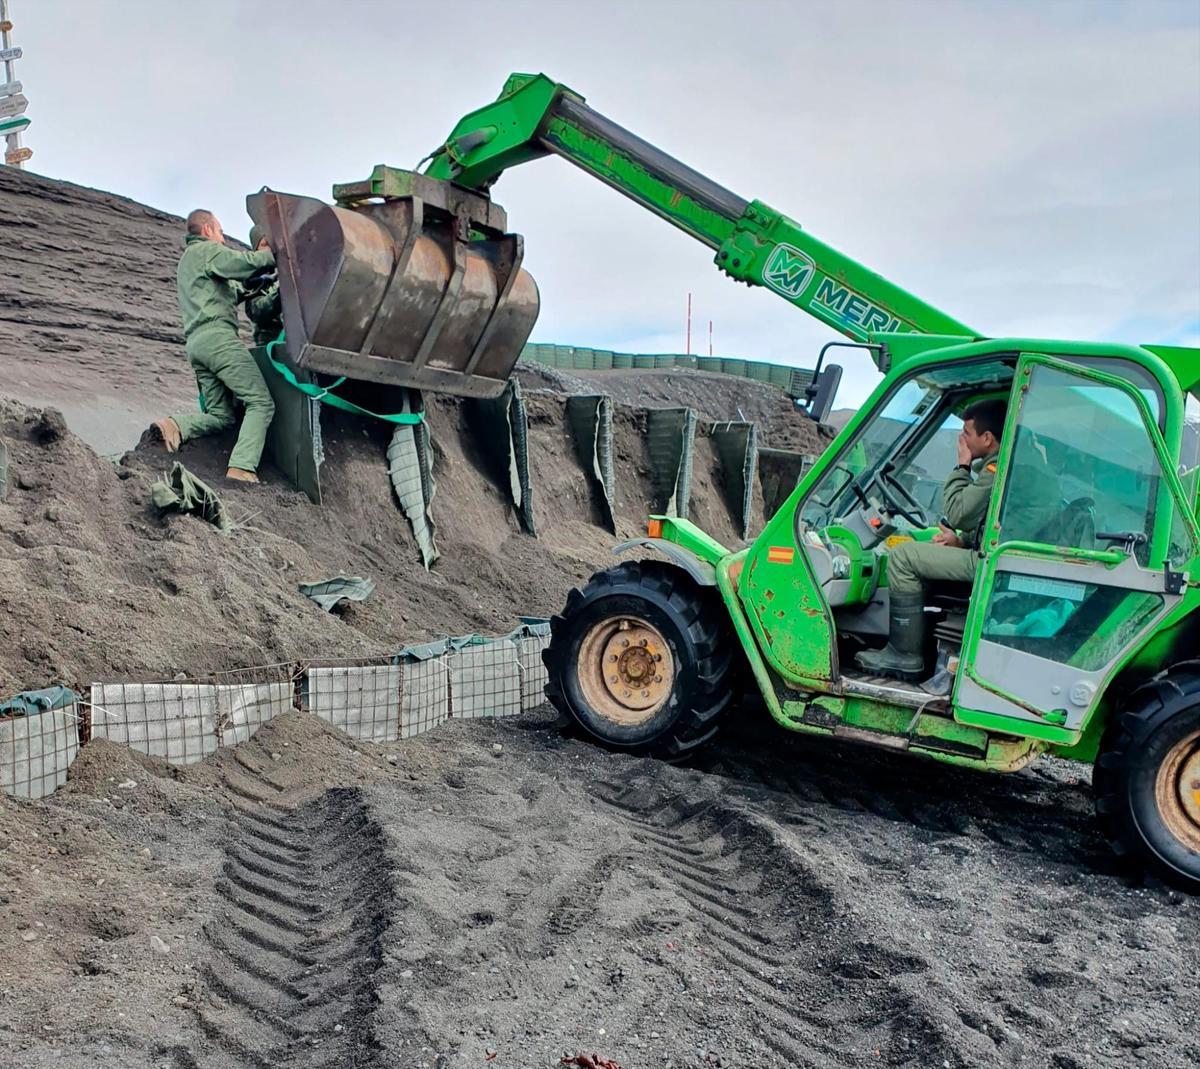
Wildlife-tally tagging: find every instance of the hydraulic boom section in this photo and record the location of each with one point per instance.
(754, 243)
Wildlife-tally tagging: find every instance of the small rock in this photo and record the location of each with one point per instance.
(276, 757)
(51, 426)
(497, 749)
(338, 1029)
(180, 1000)
(28, 936)
(391, 759)
(571, 982)
(407, 974)
(180, 675)
(437, 808)
(145, 852)
(159, 946)
(128, 785)
(53, 514)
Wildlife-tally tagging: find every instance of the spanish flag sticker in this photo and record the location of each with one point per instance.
(780, 554)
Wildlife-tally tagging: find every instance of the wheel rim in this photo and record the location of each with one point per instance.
(1177, 791)
(625, 670)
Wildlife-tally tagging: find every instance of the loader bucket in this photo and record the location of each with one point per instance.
(422, 290)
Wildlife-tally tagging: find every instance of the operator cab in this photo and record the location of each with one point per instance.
(885, 487)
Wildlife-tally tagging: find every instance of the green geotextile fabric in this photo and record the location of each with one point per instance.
(181, 491)
(29, 702)
(321, 393)
(410, 467)
(329, 592)
(736, 443)
(589, 418)
(670, 434)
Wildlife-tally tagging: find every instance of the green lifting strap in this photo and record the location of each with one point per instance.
(321, 393)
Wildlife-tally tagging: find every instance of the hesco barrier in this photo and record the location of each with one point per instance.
(185, 721)
(670, 433)
(736, 443)
(505, 423)
(792, 380)
(590, 420)
(295, 442)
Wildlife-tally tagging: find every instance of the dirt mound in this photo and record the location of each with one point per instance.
(88, 320)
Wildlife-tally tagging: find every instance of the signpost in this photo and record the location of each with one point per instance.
(13, 105)
(12, 102)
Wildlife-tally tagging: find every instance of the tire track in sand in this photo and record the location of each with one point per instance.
(307, 896)
(729, 866)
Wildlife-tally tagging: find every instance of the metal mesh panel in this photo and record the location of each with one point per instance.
(485, 680)
(363, 701)
(184, 722)
(533, 672)
(37, 750)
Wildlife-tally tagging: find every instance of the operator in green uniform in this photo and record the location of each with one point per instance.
(262, 298)
(954, 551)
(208, 280)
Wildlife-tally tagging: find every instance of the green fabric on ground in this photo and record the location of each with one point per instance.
(181, 491)
(329, 592)
(911, 562)
(226, 373)
(29, 702)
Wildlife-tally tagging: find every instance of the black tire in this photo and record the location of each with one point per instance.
(1138, 750)
(695, 626)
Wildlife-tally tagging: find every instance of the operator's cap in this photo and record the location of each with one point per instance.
(256, 235)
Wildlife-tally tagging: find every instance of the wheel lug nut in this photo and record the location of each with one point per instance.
(645, 694)
(642, 643)
(658, 679)
(612, 679)
(658, 656)
(612, 657)
(624, 642)
(627, 694)
(1196, 784)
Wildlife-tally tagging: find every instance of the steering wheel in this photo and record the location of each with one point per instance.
(898, 499)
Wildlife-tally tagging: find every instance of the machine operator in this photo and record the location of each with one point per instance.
(953, 553)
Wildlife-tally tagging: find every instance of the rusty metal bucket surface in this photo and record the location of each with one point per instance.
(396, 291)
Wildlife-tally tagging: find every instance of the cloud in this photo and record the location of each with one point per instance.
(1033, 169)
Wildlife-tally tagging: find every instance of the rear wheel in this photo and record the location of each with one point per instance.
(1147, 779)
(642, 659)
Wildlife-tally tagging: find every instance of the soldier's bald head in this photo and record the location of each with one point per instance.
(198, 219)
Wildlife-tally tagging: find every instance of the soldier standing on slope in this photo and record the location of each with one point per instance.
(208, 280)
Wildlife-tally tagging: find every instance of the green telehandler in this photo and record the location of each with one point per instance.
(1077, 638)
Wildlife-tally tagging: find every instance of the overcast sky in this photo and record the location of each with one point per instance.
(1033, 169)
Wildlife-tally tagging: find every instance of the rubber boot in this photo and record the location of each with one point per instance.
(903, 657)
(240, 475)
(168, 430)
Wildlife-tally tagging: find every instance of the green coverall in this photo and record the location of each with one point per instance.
(965, 502)
(207, 280)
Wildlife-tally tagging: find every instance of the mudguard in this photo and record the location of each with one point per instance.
(700, 570)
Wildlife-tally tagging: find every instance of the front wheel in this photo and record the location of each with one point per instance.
(642, 659)
(1147, 779)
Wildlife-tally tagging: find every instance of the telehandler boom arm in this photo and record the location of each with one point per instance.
(754, 243)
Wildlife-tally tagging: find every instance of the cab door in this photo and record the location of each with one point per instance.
(1086, 543)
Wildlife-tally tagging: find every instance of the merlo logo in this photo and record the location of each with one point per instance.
(788, 271)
